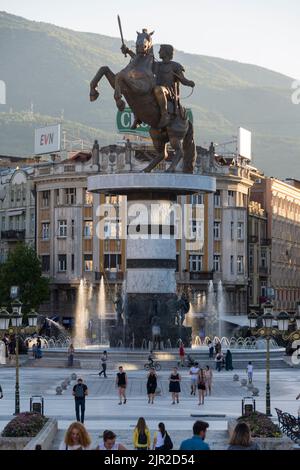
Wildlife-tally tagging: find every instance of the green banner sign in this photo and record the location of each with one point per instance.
(125, 119)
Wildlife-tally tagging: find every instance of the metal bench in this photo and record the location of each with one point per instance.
(289, 425)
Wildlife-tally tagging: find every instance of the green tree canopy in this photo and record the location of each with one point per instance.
(23, 268)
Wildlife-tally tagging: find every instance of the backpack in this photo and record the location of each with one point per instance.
(142, 439)
(79, 391)
(168, 444)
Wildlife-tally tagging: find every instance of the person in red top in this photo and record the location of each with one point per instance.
(181, 354)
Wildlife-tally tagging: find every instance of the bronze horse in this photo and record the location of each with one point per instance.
(136, 83)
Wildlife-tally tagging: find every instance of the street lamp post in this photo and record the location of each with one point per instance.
(267, 332)
(15, 318)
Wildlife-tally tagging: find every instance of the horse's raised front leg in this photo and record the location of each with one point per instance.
(118, 92)
(102, 72)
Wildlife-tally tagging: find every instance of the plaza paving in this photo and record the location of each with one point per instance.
(103, 411)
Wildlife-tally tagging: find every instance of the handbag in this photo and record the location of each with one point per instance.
(168, 444)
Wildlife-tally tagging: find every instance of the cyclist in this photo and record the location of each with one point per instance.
(150, 359)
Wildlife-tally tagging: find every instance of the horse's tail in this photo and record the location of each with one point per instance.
(189, 150)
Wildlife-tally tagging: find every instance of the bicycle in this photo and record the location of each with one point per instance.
(152, 365)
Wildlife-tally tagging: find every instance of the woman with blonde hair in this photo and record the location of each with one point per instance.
(76, 438)
(241, 438)
(141, 435)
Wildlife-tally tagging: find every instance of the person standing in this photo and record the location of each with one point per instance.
(76, 438)
(194, 371)
(228, 360)
(219, 361)
(39, 349)
(151, 385)
(201, 386)
(174, 385)
(162, 440)
(71, 352)
(208, 374)
(197, 441)
(121, 383)
(141, 435)
(181, 354)
(80, 391)
(250, 372)
(210, 350)
(103, 364)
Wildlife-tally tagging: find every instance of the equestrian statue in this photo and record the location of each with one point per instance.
(151, 89)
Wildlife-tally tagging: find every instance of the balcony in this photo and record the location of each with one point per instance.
(13, 235)
(263, 270)
(266, 241)
(202, 276)
(110, 276)
(253, 239)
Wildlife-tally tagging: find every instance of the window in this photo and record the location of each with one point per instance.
(217, 198)
(70, 196)
(88, 262)
(240, 264)
(263, 258)
(18, 194)
(62, 228)
(240, 230)
(195, 262)
(230, 198)
(263, 288)
(251, 258)
(45, 263)
(112, 229)
(232, 231)
(112, 261)
(12, 196)
(57, 201)
(88, 229)
(32, 222)
(62, 263)
(231, 264)
(72, 228)
(11, 223)
(217, 230)
(3, 223)
(196, 229)
(45, 231)
(45, 198)
(217, 263)
(72, 262)
(197, 199)
(88, 197)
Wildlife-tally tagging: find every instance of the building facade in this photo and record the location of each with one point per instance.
(281, 203)
(17, 209)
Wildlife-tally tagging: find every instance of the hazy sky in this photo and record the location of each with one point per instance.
(262, 32)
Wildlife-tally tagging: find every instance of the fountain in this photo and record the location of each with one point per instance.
(81, 320)
(221, 308)
(211, 310)
(101, 310)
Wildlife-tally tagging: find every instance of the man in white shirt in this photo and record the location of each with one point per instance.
(194, 371)
(250, 372)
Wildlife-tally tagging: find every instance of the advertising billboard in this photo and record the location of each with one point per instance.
(244, 143)
(47, 139)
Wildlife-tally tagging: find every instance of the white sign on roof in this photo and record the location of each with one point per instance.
(47, 139)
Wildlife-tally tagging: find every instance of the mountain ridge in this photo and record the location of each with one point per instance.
(52, 68)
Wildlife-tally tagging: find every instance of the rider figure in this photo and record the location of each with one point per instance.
(168, 75)
(150, 358)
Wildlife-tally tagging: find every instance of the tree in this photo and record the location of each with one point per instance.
(23, 268)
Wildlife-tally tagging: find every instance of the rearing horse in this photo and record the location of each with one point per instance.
(136, 83)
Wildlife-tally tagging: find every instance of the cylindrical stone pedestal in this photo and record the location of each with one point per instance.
(151, 304)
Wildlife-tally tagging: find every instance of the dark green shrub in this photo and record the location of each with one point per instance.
(261, 425)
